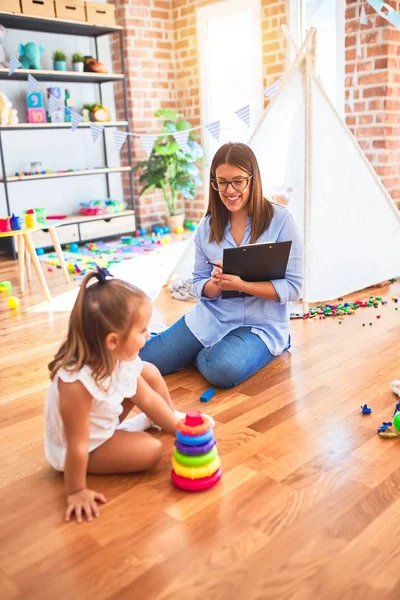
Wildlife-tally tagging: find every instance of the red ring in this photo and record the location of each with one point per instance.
(196, 485)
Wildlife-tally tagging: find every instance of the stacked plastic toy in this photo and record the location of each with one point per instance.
(196, 465)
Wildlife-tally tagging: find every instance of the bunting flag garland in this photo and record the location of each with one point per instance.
(214, 129)
(97, 129)
(148, 140)
(386, 11)
(14, 64)
(75, 120)
(363, 16)
(119, 138)
(33, 84)
(53, 104)
(272, 89)
(181, 138)
(244, 114)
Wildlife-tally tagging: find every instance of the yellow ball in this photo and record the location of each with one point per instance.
(179, 229)
(167, 239)
(12, 302)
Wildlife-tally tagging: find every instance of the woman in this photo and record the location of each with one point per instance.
(228, 340)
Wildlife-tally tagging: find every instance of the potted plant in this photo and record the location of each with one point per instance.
(171, 169)
(59, 60)
(78, 62)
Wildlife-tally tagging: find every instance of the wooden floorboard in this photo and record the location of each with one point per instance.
(308, 507)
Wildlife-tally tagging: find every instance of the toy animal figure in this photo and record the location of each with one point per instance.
(30, 54)
(8, 115)
(3, 61)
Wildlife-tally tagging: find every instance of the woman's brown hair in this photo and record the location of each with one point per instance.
(107, 306)
(261, 210)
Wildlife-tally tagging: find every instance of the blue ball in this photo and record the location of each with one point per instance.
(157, 229)
(74, 248)
(39, 251)
(142, 231)
(166, 229)
(192, 226)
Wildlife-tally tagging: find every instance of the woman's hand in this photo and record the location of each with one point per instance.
(231, 283)
(216, 273)
(83, 503)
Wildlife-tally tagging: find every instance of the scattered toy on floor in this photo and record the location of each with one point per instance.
(12, 302)
(207, 395)
(366, 410)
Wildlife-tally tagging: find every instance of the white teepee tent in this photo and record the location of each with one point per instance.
(350, 224)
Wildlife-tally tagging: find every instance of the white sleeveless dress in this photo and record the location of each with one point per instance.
(105, 411)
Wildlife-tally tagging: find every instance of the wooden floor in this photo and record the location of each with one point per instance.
(308, 507)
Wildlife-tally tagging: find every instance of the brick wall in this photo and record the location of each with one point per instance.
(375, 120)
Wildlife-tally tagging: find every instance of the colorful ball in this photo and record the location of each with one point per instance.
(142, 231)
(166, 229)
(396, 421)
(12, 302)
(74, 248)
(193, 226)
(167, 239)
(179, 229)
(187, 224)
(157, 229)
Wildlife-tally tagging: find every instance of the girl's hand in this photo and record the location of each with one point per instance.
(83, 503)
(216, 273)
(231, 283)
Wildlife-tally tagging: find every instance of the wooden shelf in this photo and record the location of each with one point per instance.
(24, 126)
(52, 25)
(99, 171)
(78, 218)
(43, 75)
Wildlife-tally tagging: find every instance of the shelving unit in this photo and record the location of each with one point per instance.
(72, 28)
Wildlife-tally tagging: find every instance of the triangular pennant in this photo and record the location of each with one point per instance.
(363, 16)
(148, 140)
(244, 114)
(214, 129)
(119, 138)
(13, 65)
(75, 120)
(272, 89)
(181, 138)
(359, 49)
(33, 84)
(53, 104)
(350, 100)
(386, 11)
(97, 129)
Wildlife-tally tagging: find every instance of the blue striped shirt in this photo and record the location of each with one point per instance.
(213, 318)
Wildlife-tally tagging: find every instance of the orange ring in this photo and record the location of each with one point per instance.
(197, 430)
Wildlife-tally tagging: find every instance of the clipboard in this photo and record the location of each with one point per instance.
(256, 262)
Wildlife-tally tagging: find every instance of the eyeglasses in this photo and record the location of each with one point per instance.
(238, 183)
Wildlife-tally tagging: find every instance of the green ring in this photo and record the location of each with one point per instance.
(196, 461)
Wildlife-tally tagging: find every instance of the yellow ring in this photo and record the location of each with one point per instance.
(196, 472)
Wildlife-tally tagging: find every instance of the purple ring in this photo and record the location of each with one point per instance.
(194, 450)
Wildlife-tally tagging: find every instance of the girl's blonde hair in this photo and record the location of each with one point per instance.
(107, 306)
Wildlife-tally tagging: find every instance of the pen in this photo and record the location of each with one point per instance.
(213, 264)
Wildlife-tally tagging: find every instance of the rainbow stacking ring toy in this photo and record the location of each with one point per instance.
(196, 465)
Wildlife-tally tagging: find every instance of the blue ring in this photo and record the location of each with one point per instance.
(195, 440)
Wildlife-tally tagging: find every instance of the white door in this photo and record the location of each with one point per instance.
(230, 54)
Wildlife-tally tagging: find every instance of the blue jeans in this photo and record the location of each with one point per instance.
(236, 357)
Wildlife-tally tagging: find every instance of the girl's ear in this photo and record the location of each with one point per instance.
(111, 341)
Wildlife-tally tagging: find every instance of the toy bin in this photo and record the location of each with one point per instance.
(11, 6)
(100, 14)
(70, 10)
(38, 8)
